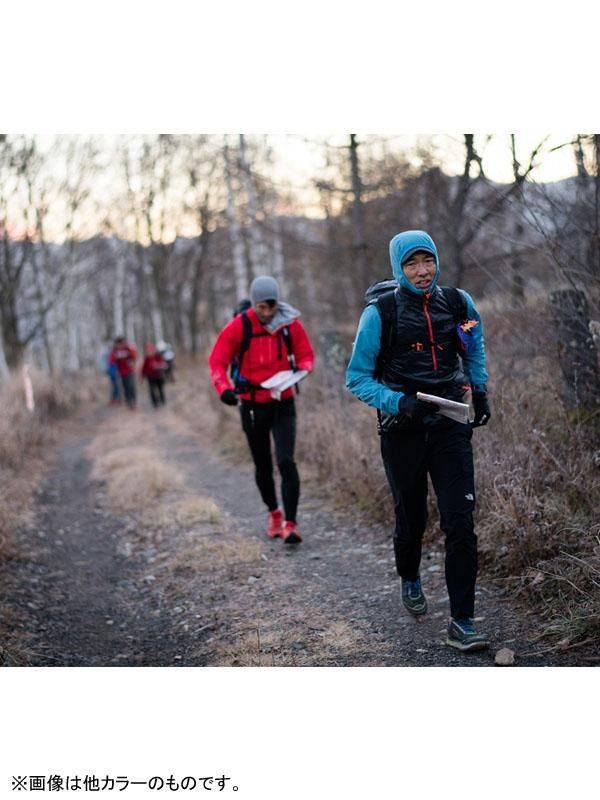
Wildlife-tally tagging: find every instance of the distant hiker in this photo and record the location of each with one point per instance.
(123, 356)
(421, 337)
(166, 351)
(266, 339)
(154, 369)
(111, 370)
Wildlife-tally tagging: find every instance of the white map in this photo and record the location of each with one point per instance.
(459, 412)
(281, 381)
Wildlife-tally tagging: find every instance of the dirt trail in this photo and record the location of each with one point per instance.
(183, 575)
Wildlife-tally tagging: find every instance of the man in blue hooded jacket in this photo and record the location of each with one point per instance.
(433, 351)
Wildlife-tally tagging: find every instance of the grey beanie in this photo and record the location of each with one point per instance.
(263, 288)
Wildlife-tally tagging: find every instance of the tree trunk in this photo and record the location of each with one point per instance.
(14, 348)
(119, 288)
(279, 258)
(39, 274)
(240, 267)
(594, 259)
(4, 371)
(517, 282)
(360, 229)
(197, 275)
(259, 255)
(577, 353)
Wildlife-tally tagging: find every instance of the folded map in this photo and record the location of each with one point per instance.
(281, 381)
(459, 412)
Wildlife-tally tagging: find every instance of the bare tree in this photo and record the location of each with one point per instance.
(359, 228)
(206, 175)
(28, 290)
(240, 263)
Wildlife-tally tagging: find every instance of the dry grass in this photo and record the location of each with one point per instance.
(214, 550)
(338, 448)
(195, 509)
(184, 511)
(268, 644)
(24, 433)
(139, 481)
(196, 402)
(127, 460)
(135, 478)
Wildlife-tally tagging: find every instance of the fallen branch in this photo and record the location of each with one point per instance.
(563, 648)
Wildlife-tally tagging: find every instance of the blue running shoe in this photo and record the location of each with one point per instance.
(463, 636)
(413, 597)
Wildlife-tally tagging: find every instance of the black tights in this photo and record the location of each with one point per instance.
(259, 421)
(157, 392)
(446, 454)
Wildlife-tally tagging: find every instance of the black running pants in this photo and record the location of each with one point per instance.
(446, 455)
(259, 422)
(157, 392)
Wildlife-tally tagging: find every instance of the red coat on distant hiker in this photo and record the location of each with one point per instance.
(259, 342)
(154, 370)
(124, 356)
(154, 366)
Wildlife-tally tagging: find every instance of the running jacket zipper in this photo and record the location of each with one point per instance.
(431, 339)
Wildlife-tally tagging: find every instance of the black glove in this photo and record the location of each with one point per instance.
(482, 409)
(416, 409)
(228, 397)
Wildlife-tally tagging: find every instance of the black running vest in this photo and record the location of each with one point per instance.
(424, 356)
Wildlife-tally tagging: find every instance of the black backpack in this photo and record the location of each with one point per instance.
(381, 294)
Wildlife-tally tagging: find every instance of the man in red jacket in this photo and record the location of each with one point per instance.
(266, 339)
(124, 356)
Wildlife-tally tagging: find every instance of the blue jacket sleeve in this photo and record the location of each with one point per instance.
(359, 375)
(474, 360)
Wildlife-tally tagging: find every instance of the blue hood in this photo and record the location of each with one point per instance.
(401, 246)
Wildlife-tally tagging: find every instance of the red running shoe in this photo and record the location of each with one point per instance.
(291, 534)
(275, 524)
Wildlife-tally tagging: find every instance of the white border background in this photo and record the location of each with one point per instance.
(132, 66)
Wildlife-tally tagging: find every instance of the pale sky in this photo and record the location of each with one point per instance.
(300, 159)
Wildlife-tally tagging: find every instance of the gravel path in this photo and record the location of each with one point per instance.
(94, 587)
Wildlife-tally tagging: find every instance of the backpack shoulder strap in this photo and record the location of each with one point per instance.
(246, 336)
(246, 333)
(387, 307)
(457, 302)
(287, 338)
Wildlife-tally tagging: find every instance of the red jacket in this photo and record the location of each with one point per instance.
(124, 356)
(266, 355)
(154, 367)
